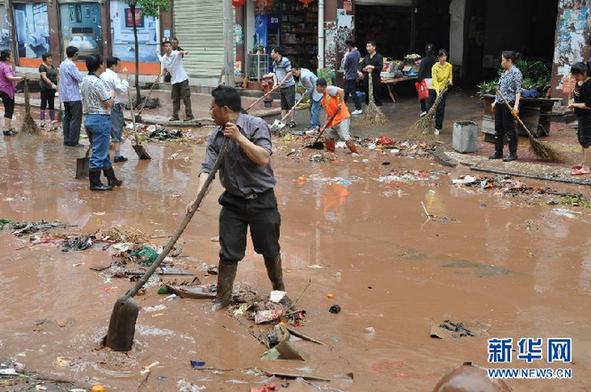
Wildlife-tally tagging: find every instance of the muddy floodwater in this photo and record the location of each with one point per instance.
(516, 268)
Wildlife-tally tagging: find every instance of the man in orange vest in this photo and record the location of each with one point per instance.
(339, 118)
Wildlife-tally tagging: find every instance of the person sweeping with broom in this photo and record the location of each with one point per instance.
(582, 108)
(249, 199)
(442, 78)
(508, 95)
(339, 118)
(98, 100)
(8, 81)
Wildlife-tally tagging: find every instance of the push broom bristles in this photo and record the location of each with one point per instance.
(372, 115)
(423, 128)
(29, 124)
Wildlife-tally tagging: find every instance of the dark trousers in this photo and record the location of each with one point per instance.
(424, 104)
(377, 88)
(260, 214)
(351, 89)
(181, 91)
(431, 99)
(440, 113)
(71, 122)
(8, 104)
(47, 99)
(505, 125)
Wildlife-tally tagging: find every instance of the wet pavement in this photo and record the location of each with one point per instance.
(355, 229)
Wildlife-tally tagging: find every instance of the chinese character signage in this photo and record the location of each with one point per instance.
(122, 33)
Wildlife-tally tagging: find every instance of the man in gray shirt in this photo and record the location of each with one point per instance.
(282, 76)
(249, 199)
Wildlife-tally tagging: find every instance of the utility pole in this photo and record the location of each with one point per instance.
(228, 43)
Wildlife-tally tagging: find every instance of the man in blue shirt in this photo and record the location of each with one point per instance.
(69, 90)
(350, 65)
(308, 80)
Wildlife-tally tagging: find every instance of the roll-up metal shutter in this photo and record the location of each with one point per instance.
(199, 27)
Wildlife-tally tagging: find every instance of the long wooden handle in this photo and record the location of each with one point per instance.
(324, 127)
(293, 108)
(183, 224)
(141, 109)
(266, 94)
(531, 135)
(137, 138)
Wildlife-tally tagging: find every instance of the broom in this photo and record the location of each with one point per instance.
(372, 115)
(29, 125)
(421, 129)
(541, 150)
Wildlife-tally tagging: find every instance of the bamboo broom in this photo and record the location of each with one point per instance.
(372, 115)
(29, 124)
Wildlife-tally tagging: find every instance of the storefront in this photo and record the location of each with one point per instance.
(81, 27)
(122, 40)
(31, 24)
(4, 29)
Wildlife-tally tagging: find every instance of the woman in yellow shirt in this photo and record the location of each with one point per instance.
(442, 77)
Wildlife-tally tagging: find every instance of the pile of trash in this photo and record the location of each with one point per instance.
(508, 185)
(403, 148)
(22, 228)
(146, 102)
(14, 377)
(400, 177)
(163, 134)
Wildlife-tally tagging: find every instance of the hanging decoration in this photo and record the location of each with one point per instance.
(238, 3)
(306, 2)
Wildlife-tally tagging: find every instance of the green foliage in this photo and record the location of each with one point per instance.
(535, 76)
(153, 7)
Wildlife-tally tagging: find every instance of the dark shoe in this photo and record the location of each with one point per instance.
(9, 132)
(110, 174)
(174, 119)
(496, 155)
(120, 158)
(190, 118)
(274, 272)
(510, 157)
(226, 276)
(94, 176)
(352, 147)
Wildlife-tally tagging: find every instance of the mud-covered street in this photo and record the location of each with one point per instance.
(393, 240)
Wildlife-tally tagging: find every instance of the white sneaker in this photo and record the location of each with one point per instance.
(423, 114)
(437, 131)
(357, 112)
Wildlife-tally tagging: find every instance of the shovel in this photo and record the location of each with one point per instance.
(137, 147)
(316, 144)
(125, 312)
(82, 165)
(278, 125)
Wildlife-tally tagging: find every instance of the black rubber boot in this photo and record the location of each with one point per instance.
(110, 174)
(94, 176)
(274, 271)
(226, 275)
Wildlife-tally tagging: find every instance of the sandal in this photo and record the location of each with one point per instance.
(579, 172)
(9, 132)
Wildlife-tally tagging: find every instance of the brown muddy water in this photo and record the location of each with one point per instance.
(525, 270)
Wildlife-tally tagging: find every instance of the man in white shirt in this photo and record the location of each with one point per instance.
(172, 61)
(119, 86)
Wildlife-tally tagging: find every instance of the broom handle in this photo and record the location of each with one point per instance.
(141, 109)
(137, 138)
(266, 95)
(529, 134)
(183, 224)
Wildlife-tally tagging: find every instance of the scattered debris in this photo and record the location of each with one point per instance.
(451, 329)
(197, 364)
(22, 228)
(163, 134)
(147, 369)
(185, 386)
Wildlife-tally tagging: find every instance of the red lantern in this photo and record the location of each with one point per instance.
(238, 3)
(305, 2)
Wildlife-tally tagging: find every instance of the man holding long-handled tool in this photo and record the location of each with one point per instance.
(283, 76)
(249, 199)
(339, 118)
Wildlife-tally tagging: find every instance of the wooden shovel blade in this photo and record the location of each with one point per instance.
(122, 324)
